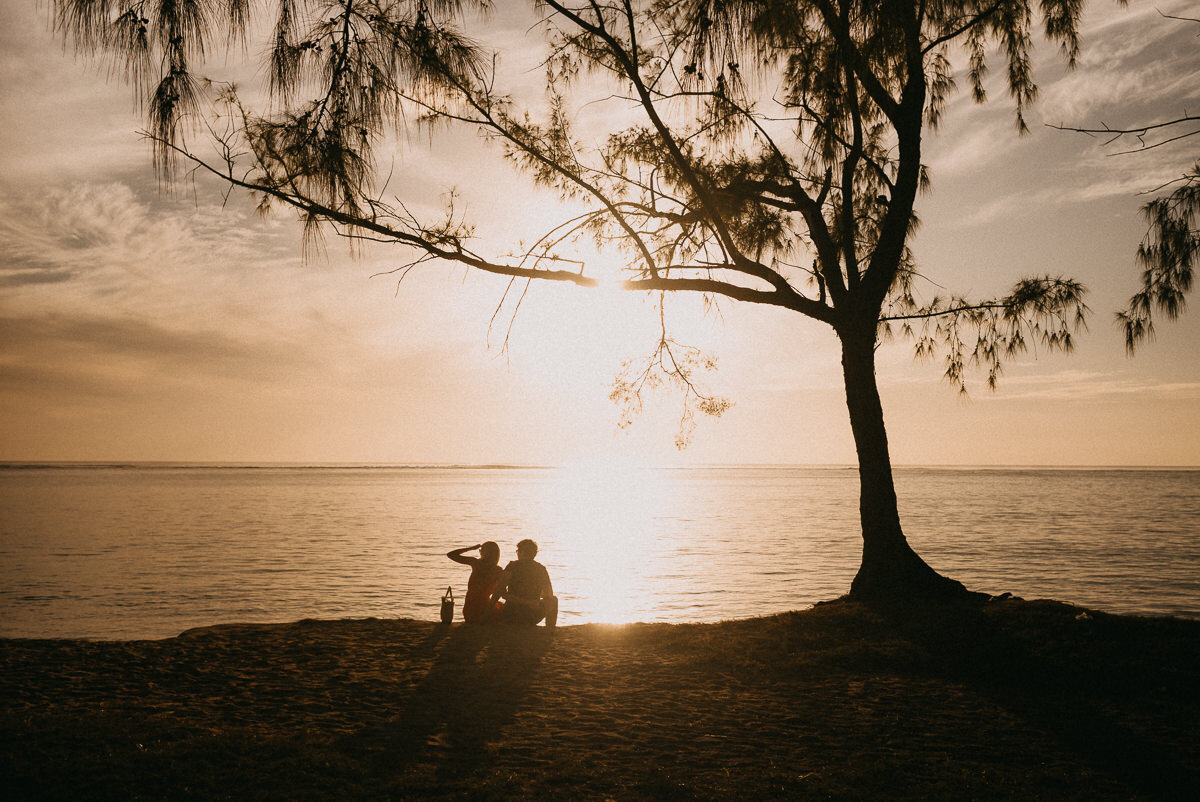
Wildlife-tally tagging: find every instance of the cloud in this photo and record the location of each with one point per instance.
(54, 233)
(982, 140)
(16, 274)
(1096, 176)
(1135, 66)
(1077, 386)
(107, 243)
(64, 355)
(1078, 189)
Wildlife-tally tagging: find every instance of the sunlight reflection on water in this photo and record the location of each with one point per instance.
(150, 551)
(600, 531)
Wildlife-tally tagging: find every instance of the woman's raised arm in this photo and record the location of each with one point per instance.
(457, 555)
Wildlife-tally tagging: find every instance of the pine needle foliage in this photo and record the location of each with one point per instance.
(1168, 258)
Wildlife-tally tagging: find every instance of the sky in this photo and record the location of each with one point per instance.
(138, 323)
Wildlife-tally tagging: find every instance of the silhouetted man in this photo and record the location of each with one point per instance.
(526, 589)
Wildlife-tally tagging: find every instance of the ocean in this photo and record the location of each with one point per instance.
(147, 551)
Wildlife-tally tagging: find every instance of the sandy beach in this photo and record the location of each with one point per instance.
(1004, 700)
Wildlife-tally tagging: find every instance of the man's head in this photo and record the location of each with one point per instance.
(526, 550)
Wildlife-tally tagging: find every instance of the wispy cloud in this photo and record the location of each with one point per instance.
(1077, 386)
(980, 139)
(96, 356)
(1136, 66)
(105, 243)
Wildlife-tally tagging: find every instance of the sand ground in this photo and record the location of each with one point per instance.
(1004, 700)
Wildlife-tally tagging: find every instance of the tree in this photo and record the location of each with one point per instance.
(769, 153)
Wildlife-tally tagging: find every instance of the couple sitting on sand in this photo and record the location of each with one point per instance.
(521, 593)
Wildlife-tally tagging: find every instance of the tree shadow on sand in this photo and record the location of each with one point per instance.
(1097, 669)
(458, 713)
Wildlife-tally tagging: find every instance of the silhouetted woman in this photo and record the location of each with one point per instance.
(485, 572)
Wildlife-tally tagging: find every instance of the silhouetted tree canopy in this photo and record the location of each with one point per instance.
(769, 152)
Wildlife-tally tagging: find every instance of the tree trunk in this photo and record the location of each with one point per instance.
(890, 568)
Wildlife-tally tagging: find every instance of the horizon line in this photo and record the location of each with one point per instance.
(10, 464)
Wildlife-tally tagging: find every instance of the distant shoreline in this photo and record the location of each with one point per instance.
(172, 465)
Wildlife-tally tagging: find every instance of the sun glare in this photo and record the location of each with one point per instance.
(574, 340)
(603, 512)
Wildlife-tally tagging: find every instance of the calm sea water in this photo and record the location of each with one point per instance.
(148, 551)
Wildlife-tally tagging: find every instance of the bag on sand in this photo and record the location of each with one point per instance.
(448, 605)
